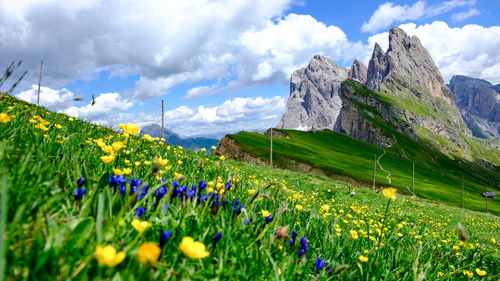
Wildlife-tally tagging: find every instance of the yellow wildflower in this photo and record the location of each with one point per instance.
(354, 234)
(222, 158)
(162, 161)
(325, 208)
(107, 149)
(299, 207)
(130, 128)
(177, 175)
(108, 256)
(192, 249)
(390, 193)
(58, 126)
(71, 119)
(480, 272)
(400, 234)
(493, 241)
(213, 147)
(363, 258)
(468, 273)
(149, 252)
(265, 213)
(117, 145)
(140, 226)
(148, 137)
(179, 162)
(203, 149)
(107, 158)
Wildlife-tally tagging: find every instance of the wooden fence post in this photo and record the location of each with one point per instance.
(162, 121)
(271, 148)
(462, 191)
(374, 169)
(39, 82)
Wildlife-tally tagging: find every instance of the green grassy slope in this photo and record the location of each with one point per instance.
(436, 176)
(49, 234)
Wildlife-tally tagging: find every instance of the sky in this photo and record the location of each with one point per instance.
(220, 66)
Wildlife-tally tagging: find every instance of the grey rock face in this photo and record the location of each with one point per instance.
(479, 103)
(358, 71)
(407, 64)
(407, 75)
(314, 101)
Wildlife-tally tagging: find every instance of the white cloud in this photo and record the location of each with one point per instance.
(238, 44)
(231, 116)
(277, 49)
(169, 42)
(49, 98)
(465, 15)
(234, 115)
(470, 50)
(388, 13)
(107, 106)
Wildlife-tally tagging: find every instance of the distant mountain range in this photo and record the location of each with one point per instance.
(172, 138)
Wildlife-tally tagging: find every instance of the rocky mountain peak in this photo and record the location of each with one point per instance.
(314, 101)
(358, 71)
(407, 63)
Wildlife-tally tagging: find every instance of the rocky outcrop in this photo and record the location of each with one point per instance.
(358, 71)
(412, 97)
(276, 134)
(407, 64)
(361, 110)
(314, 101)
(479, 103)
(231, 149)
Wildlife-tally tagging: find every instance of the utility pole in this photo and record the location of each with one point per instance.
(39, 82)
(413, 178)
(374, 169)
(162, 120)
(271, 148)
(462, 191)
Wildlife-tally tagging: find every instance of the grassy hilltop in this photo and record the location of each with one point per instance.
(73, 207)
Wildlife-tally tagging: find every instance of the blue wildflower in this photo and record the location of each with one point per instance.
(269, 219)
(161, 192)
(80, 182)
(217, 237)
(293, 236)
(247, 222)
(143, 192)
(134, 185)
(202, 185)
(319, 264)
(203, 198)
(140, 211)
(79, 191)
(164, 237)
(304, 246)
(228, 186)
(236, 207)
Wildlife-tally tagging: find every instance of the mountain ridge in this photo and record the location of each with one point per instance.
(173, 138)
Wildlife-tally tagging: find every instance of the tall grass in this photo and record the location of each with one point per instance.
(52, 234)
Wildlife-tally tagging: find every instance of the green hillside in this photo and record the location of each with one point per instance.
(335, 155)
(84, 202)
